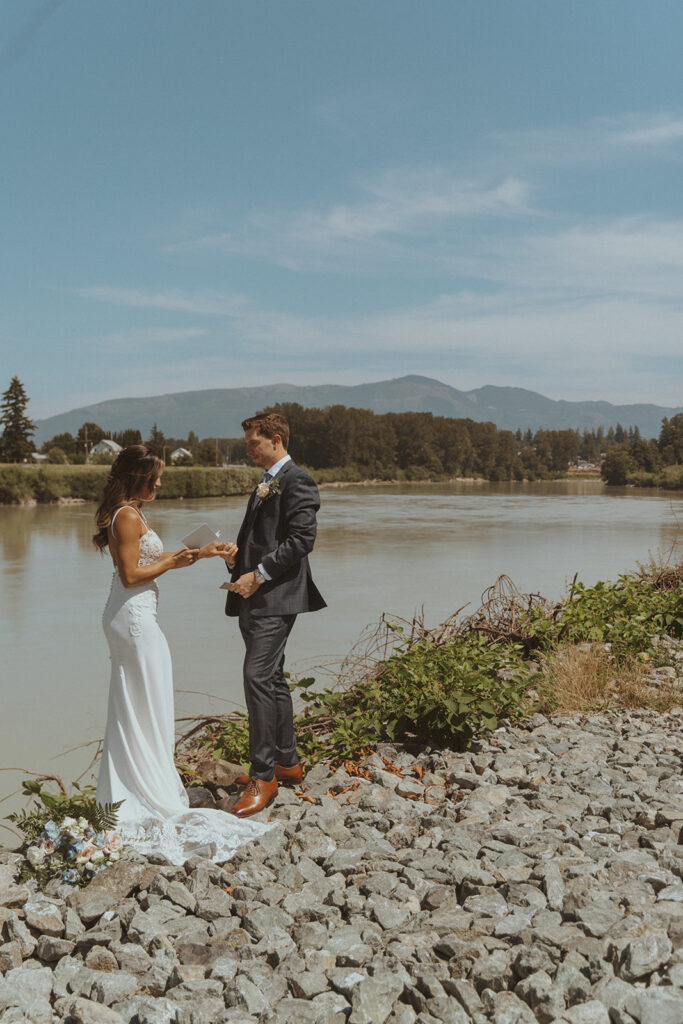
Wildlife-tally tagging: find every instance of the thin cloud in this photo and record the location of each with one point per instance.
(400, 206)
(659, 130)
(206, 303)
(600, 140)
(147, 337)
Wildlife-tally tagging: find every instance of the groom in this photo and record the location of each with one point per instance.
(271, 584)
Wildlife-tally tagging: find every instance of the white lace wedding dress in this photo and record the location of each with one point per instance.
(137, 758)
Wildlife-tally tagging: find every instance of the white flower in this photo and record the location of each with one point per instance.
(68, 822)
(114, 856)
(262, 491)
(35, 856)
(97, 856)
(47, 846)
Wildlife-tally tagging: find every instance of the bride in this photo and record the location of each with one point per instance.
(137, 758)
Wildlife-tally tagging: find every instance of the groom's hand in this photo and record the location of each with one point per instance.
(228, 551)
(245, 586)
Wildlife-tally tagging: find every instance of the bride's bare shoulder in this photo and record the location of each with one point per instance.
(126, 521)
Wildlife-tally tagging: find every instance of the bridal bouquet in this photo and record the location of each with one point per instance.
(74, 850)
(68, 837)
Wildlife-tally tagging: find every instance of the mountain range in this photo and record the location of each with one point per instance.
(218, 412)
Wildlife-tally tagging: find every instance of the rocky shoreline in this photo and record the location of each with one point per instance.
(536, 877)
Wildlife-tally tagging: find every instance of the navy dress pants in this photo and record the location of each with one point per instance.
(269, 702)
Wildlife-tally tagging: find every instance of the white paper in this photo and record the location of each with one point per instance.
(200, 537)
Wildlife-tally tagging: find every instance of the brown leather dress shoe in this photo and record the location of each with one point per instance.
(257, 795)
(287, 776)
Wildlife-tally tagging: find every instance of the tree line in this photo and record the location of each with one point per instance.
(358, 443)
(418, 444)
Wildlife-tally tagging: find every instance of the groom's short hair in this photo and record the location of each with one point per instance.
(268, 425)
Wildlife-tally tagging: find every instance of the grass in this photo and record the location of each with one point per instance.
(588, 678)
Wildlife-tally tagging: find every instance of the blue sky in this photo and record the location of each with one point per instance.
(217, 194)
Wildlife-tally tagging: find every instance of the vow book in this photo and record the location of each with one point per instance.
(200, 537)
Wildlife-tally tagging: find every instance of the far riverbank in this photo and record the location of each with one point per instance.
(52, 484)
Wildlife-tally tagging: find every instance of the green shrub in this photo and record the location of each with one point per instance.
(626, 614)
(49, 483)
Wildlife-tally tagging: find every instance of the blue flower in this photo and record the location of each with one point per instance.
(51, 831)
(70, 875)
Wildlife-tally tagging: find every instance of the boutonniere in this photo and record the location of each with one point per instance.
(266, 489)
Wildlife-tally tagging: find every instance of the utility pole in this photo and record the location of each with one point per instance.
(217, 452)
(86, 442)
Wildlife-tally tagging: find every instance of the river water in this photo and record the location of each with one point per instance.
(397, 549)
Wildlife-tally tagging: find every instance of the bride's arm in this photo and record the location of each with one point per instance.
(128, 533)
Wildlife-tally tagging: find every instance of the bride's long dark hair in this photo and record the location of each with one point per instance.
(132, 476)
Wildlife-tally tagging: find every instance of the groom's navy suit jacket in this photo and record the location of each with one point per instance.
(279, 533)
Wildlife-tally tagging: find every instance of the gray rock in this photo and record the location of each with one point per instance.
(44, 916)
(491, 972)
(573, 985)
(179, 894)
(99, 958)
(109, 887)
(111, 988)
(507, 1008)
(214, 904)
(85, 1011)
(345, 979)
(446, 1009)
(245, 995)
(644, 954)
(11, 894)
(373, 998)
(16, 931)
(591, 1012)
(73, 926)
(656, 1005)
(50, 950)
(10, 956)
(466, 994)
(613, 993)
(309, 984)
(154, 1011)
(23, 984)
(538, 991)
(131, 957)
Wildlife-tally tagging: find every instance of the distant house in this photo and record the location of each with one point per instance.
(180, 453)
(106, 446)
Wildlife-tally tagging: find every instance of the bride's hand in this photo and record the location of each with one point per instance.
(228, 551)
(211, 550)
(186, 556)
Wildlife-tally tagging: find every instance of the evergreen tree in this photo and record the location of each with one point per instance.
(156, 442)
(127, 437)
(15, 444)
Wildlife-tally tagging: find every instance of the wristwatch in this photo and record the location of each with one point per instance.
(259, 577)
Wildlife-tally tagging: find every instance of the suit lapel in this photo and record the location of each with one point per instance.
(256, 504)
